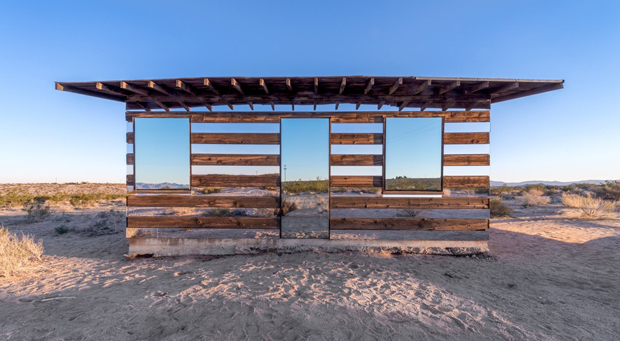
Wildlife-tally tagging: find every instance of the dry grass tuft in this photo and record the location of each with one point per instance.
(286, 207)
(18, 254)
(179, 211)
(109, 222)
(534, 197)
(590, 207)
(498, 208)
(37, 211)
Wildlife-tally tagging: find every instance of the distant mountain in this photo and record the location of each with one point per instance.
(548, 183)
(163, 185)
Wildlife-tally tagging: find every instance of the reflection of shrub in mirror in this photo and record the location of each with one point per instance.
(413, 152)
(162, 153)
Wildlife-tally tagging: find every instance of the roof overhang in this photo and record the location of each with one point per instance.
(401, 92)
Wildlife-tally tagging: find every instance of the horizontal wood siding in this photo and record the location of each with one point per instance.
(355, 181)
(357, 138)
(130, 180)
(201, 201)
(409, 224)
(466, 160)
(130, 159)
(236, 180)
(130, 139)
(466, 182)
(202, 222)
(356, 160)
(235, 160)
(422, 203)
(235, 138)
(466, 138)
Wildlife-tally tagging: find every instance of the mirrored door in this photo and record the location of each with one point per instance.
(305, 177)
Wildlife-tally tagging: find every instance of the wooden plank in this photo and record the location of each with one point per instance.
(182, 86)
(201, 201)
(466, 160)
(355, 181)
(235, 159)
(338, 138)
(130, 179)
(269, 180)
(237, 86)
(132, 88)
(207, 83)
(422, 203)
(395, 86)
(235, 138)
(409, 224)
(356, 160)
(409, 235)
(130, 159)
(130, 138)
(157, 87)
(263, 85)
(466, 182)
(371, 82)
(466, 138)
(203, 222)
(343, 84)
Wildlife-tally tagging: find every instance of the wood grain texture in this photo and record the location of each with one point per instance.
(355, 181)
(130, 138)
(409, 224)
(235, 138)
(466, 160)
(466, 182)
(236, 180)
(235, 159)
(356, 160)
(466, 138)
(356, 138)
(201, 201)
(130, 180)
(203, 222)
(422, 203)
(130, 159)
(409, 235)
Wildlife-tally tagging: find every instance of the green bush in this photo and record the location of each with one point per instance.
(299, 186)
(498, 208)
(609, 191)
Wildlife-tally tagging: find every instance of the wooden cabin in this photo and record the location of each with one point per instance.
(412, 179)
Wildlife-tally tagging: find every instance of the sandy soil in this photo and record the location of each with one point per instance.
(547, 277)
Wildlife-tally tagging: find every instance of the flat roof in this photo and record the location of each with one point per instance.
(400, 92)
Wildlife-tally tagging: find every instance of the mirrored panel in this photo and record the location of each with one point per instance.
(413, 154)
(162, 153)
(305, 178)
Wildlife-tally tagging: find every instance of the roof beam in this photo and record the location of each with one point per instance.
(343, 84)
(371, 82)
(162, 105)
(210, 86)
(236, 85)
(182, 86)
(132, 88)
(314, 106)
(357, 105)
(380, 105)
(398, 83)
(156, 87)
(425, 105)
(421, 87)
(110, 89)
(449, 103)
(448, 87)
(232, 107)
(209, 106)
(273, 106)
(540, 89)
(316, 86)
(68, 88)
(293, 106)
(403, 105)
(185, 106)
(506, 87)
(251, 105)
(477, 87)
(262, 83)
(142, 106)
(337, 104)
(288, 84)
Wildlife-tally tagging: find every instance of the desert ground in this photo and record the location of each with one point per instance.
(549, 275)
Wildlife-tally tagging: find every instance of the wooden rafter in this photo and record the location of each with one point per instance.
(425, 105)
(109, 89)
(288, 84)
(185, 106)
(262, 83)
(449, 103)
(343, 84)
(143, 107)
(380, 105)
(314, 105)
(398, 83)
(357, 105)
(337, 104)
(210, 86)
(506, 87)
(448, 87)
(421, 87)
(371, 82)
(156, 87)
(316, 86)
(182, 86)
(251, 105)
(477, 87)
(132, 88)
(162, 105)
(293, 106)
(273, 106)
(403, 105)
(208, 106)
(235, 84)
(232, 107)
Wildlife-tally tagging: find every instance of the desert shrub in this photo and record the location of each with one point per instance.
(179, 211)
(539, 187)
(37, 211)
(610, 190)
(533, 197)
(62, 229)
(15, 199)
(209, 190)
(590, 207)
(18, 254)
(299, 186)
(286, 207)
(106, 223)
(498, 208)
(409, 213)
(218, 212)
(237, 212)
(89, 200)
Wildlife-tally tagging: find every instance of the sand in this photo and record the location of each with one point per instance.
(547, 277)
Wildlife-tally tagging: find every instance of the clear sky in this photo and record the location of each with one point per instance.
(566, 135)
(413, 147)
(305, 149)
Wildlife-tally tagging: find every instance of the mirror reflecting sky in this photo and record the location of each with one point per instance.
(162, 153)
(413, 154)
(305, 148)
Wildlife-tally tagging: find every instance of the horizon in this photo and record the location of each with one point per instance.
(50, 136)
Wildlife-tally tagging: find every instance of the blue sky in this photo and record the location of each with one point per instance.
(570, 134)
(305, 149)
(413, 147)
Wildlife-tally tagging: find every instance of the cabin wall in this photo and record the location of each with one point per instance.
(460, 213)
